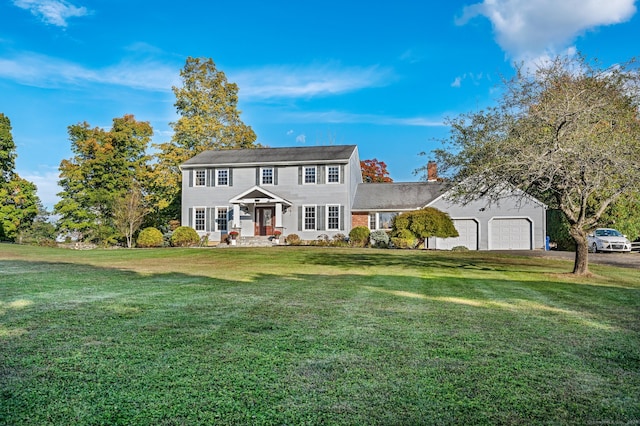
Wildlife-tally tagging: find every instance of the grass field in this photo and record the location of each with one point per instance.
(313, 336)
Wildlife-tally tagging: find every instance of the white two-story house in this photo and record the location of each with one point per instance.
(301, 190)
(318, 190)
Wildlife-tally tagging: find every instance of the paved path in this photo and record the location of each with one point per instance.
(625, 260)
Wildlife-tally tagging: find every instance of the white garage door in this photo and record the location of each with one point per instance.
(510, 234)
(468, 230)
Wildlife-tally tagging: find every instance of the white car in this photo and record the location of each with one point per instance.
(607, 239)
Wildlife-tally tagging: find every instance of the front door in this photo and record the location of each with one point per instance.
(265, 218)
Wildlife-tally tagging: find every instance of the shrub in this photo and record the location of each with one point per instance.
(339, 240)
(150, 237)
(460, 248)
(185, 236)
(293, 239)
(359, 236)
(379, 238)
(322, 240)
(404, 239)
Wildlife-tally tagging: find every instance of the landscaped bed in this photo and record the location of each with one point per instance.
(303, 335)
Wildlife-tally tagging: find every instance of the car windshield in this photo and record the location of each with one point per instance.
(608, 233)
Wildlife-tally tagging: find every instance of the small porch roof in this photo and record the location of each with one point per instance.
(258, 195)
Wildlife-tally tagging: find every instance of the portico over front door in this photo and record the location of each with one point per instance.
(265, 218)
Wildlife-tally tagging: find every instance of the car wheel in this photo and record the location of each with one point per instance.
(594, 248)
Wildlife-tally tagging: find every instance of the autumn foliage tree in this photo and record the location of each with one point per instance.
(569, 134)
(374, 171)
(105, 167)
(209, 119)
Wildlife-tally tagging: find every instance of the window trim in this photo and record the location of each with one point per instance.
(216, 218)
(304, 217)
(217, 177)
(329, 174)
(196, 178)
(327, 209)
(304, 175)
(204, 219)
(262, 170)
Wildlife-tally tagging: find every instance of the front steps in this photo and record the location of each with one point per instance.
(252, 242)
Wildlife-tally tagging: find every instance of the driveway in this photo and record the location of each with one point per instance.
(624, 260)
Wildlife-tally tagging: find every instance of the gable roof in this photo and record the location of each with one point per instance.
(258, 195)
(396, 196)
(262, 156)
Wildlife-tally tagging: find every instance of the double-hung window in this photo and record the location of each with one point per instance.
(309, 218)
(333, 217)
(222, 218)
(333, 174)
(373, 222)
(266, 176)
(200, 178)
(222, 177)
(199, 218)
(310, 175)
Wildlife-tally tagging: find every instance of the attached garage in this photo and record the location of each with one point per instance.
(468, 230)
(510, 234)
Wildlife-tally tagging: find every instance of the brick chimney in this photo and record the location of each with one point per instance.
(432, 171)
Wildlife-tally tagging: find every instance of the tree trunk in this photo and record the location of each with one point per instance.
(581, 263)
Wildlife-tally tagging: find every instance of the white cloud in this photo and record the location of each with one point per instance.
(350, 118)
(301, 138)
(457, 82)
(530, 28)
(47, 184)
(54, 12)
(37, 70)
(307, 81)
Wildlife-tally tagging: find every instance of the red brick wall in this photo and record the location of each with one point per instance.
(359, 219)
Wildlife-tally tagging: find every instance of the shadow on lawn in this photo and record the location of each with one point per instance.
(425, 259)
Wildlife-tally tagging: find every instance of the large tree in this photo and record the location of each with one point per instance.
(374, 171)
(209, 119)
(7, 149)
(18, 199)
(105, 167)
(568, 133)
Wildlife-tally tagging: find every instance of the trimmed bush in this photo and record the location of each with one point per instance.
(404, 239)
(359, 236)
(379, 238)
(460, 248)
(293, 239)
(149, 237)
(185, 236)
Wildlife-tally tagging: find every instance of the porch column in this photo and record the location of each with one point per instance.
(236, 216)
(278, 215)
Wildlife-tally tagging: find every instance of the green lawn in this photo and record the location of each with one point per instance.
(313, 336)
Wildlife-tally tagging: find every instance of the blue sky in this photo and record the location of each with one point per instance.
(382, 75)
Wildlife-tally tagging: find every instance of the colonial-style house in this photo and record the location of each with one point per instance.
(318, 190)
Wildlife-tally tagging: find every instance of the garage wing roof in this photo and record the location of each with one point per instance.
(396, 196)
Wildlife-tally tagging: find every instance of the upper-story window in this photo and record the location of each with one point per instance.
(333, 174)
(222, 177)
(200, 178)
(266, 176)
(310, 175)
